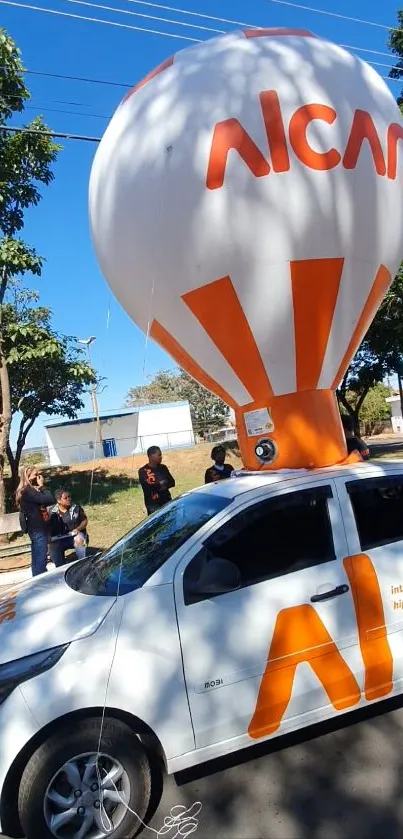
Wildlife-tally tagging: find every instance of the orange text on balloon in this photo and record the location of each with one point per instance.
(231, 135)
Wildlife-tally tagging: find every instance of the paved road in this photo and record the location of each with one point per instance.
(342, 784)
(332, 783)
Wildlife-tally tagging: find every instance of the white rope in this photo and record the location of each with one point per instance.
(181, 820)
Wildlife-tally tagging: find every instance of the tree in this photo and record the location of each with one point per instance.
(380, 354)
(395, 45)
(365, 371)
(208, 411)
(25, 164)
(47, 372)
(374, 411)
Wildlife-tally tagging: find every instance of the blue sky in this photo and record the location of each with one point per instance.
(71, 284)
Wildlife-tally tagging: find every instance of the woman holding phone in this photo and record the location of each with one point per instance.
(33, 501)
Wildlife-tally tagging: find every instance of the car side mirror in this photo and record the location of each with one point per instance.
(217, 576)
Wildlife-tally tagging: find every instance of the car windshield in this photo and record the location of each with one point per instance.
(135, 558)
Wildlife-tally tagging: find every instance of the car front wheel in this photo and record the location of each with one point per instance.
(78, 785)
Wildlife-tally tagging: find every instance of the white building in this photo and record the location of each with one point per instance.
(396, 413)
(125, 432)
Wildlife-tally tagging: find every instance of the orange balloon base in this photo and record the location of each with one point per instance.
(304, 426)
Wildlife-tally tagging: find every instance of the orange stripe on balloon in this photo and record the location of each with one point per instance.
(378, 290)
(165, 340)
(280, 32)
(315, 286)
(216, 306)
(156, 72)
(374, 645)
(300, 635)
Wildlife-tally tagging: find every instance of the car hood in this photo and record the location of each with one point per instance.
(45, 612)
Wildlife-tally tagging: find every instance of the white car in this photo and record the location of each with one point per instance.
(241, 611)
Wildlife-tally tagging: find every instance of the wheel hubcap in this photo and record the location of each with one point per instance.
(86, 798)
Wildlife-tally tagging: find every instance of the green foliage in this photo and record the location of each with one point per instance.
(13, 92)
(25, 158)
(48, 373)
(374, 411)
(208, 411)
(26, 161)
(395, 44)
(380, 354)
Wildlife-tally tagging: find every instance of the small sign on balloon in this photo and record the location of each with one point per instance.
(258, 422)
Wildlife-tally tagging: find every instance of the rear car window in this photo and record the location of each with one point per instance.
(378, 509)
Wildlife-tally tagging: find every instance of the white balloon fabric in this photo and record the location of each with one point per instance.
(246, 208)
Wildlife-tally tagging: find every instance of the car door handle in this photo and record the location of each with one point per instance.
(327, 595)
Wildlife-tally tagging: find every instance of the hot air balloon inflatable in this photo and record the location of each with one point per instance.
(246, 210)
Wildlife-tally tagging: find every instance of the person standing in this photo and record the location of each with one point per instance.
(67, 528)
(220, 470)
(156, 481)
(33, 501)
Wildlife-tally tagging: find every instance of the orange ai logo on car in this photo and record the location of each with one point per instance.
(300, 635)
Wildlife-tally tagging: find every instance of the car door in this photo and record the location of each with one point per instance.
(373, 514)
(282, 649)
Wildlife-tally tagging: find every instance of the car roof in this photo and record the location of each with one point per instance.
(245, 481)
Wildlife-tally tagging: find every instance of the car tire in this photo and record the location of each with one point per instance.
(71, 748)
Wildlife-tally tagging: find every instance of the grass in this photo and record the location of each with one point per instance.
(117, 499)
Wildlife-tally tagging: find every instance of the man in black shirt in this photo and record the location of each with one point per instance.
(156, 481)
(220, 470)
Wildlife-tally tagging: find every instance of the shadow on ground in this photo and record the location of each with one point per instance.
(328, 782)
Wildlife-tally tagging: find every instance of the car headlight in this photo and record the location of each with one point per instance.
(14, 672)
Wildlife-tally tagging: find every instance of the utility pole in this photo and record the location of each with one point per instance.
(94, 399)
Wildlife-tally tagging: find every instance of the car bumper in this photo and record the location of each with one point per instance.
(17, 727)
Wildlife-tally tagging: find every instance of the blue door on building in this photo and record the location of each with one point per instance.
(109, 447)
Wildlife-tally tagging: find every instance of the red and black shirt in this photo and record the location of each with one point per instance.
(150, 478)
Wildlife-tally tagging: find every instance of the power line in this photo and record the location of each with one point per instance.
(176, 22)
(253, 26)
(335, 14)
(365, 49)
(49, 101)
(361, 21)
(149, 17)
(56, 134)
(194, 14)
(98, 20)
(78, 78)
(63, 111)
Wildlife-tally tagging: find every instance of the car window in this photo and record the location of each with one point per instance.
(138, 555)
(378, 509)
(273, 538)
